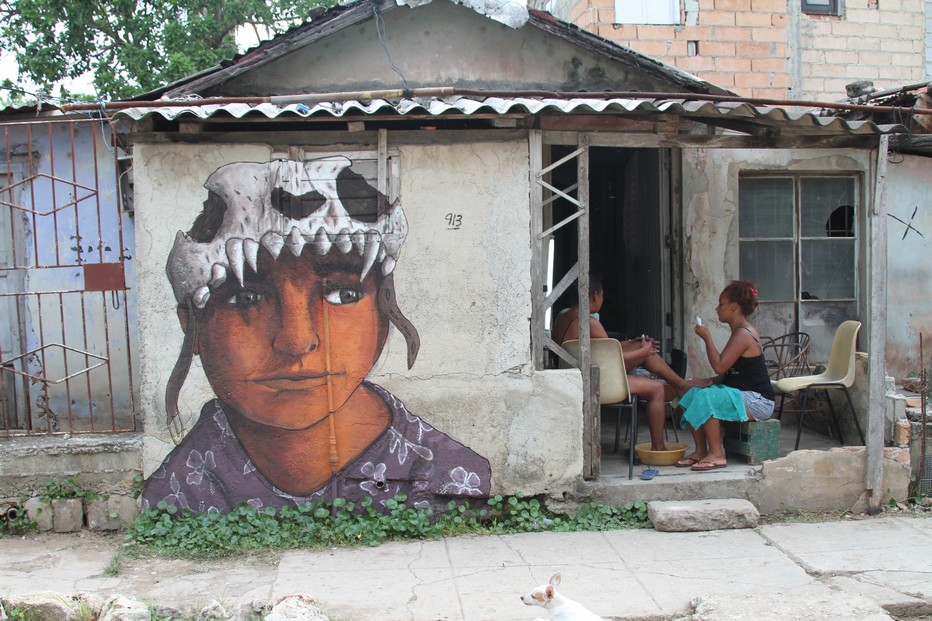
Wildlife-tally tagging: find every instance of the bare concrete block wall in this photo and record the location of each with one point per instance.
(768, 48)
(106, 464)
(878, 41)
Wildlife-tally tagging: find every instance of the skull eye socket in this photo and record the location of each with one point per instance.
(296, 207)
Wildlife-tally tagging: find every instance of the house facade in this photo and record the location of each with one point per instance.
(805, 51)
(491, 178)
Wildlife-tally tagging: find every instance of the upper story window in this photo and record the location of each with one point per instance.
(647, 11)
(821, 7)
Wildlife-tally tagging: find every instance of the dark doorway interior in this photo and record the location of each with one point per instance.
(626, 238)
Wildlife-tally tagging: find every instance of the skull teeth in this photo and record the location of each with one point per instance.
(235, 256)
(342, 241)
(273, 242)
(218, 275)
(251, 250)
(322, 242)
(295, 242)
(372, 251)
(388, 265)
(201, 296)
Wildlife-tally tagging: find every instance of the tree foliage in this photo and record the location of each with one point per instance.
(131, 46)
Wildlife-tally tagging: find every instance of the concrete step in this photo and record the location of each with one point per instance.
(673, 483)
(701, 515)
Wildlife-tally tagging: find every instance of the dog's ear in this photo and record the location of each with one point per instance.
(555, 579)
(549, 592)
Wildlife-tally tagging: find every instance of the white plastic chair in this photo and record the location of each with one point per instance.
(613, 385)
(838, 375)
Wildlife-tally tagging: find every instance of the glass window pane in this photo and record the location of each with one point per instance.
(826, 7)
(769, 265)
(765, 207)
(827, 206)
(828, 269)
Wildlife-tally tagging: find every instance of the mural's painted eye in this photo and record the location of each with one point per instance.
(245, 298)
(344, 295)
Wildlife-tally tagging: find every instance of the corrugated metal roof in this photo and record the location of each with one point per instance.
(785, 119)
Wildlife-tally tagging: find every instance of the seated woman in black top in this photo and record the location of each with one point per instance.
(741, 391)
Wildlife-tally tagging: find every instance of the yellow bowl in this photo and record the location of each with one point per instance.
(675, 452)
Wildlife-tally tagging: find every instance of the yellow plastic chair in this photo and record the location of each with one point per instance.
(613, 385)
(838, 375)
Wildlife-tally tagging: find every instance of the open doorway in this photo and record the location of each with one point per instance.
(629, 238)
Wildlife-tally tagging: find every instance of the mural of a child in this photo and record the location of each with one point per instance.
(285, 292)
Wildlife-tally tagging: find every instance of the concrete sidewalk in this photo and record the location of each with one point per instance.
(832, 570)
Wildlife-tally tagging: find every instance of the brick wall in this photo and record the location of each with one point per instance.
(767, 48)
(879, 40)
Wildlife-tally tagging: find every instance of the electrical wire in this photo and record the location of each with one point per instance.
(380, 29)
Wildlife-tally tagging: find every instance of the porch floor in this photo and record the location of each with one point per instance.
(674, 483)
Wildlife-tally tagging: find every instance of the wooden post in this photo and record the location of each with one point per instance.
(535, 159)
(877, 331)
(590, 407)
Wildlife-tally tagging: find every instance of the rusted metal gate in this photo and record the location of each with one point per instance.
(66, 360)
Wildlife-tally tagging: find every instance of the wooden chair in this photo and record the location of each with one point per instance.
(838, 376)
(613, 385)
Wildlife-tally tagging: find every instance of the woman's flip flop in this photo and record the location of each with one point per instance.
(686, 462)
(705, 466)
(649, 473)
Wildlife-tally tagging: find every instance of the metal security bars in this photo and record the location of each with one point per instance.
(66, 306)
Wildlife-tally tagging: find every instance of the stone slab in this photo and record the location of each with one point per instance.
(702, 515)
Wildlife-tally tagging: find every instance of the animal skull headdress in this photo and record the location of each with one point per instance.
(253, 219)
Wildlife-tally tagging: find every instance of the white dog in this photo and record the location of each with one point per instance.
(560, 608)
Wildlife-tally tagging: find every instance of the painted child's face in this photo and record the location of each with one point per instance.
(264, 346)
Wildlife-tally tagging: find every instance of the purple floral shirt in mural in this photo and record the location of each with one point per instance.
(210, 470)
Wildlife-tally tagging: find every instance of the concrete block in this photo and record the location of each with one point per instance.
(102, 462)
(702, 515)
(39, 512)
(111, 513)
(833, 480)
(758, 441)
(67, 515)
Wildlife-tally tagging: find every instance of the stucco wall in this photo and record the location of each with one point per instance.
(466, 290)
(710, 181)
(909, 306)
(710, 230)
(477, 52)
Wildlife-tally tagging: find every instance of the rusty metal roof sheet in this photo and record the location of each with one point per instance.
(802, 122)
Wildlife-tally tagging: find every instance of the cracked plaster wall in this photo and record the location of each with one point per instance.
(909, 272)
(466, 289)
(710, 224)
(710, 181)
